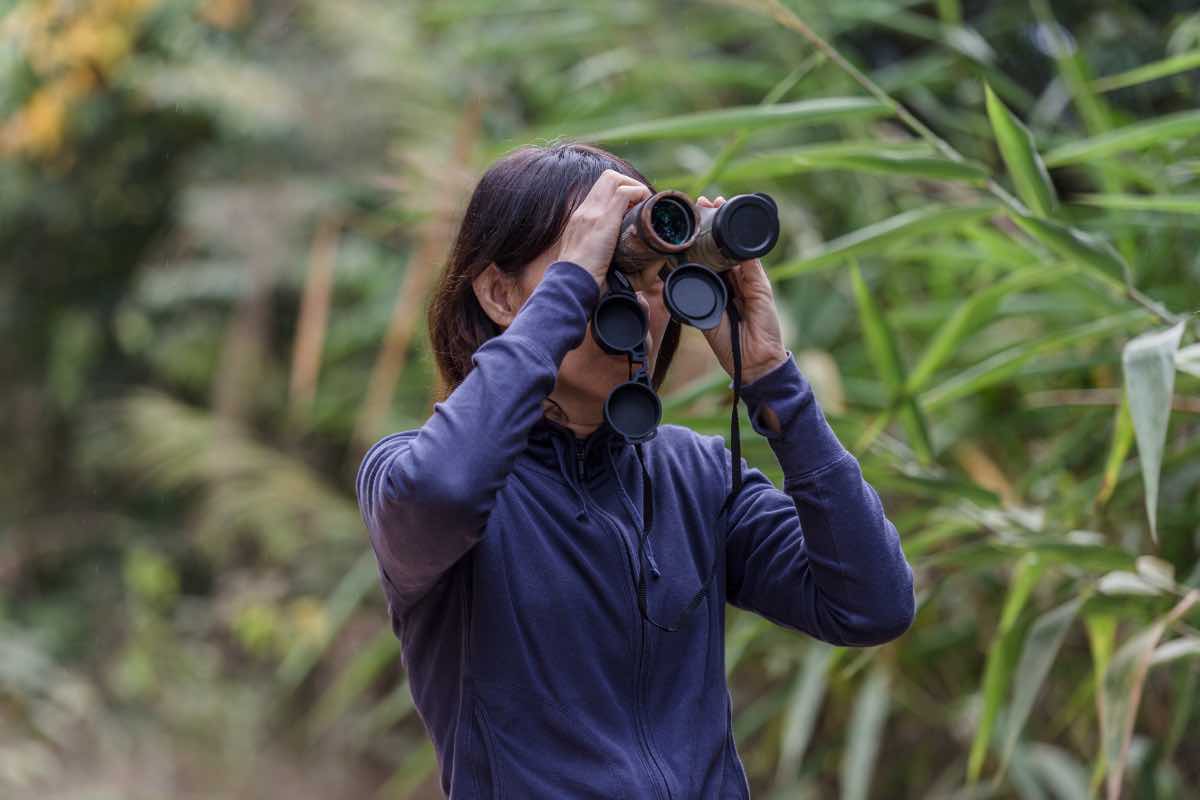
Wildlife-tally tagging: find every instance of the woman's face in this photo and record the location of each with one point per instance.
(588, 373)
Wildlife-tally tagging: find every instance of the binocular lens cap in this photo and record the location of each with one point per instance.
(619, 323)
(633, 410)
(695, 295)
(748, 226)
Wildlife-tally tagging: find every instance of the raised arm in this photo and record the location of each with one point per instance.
(425, 495)
(819, 556)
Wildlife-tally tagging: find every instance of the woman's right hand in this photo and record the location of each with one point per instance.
(590, 236)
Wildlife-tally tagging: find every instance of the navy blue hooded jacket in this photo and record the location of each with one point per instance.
(508, 552)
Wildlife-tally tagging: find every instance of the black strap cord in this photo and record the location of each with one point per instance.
(735, 433)
(648, 491)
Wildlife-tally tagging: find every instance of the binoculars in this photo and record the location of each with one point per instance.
(698, 244)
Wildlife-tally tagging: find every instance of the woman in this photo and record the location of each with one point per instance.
(507, 526)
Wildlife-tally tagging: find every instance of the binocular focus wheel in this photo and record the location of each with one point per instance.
(633, 410)
(695, 295)
(619, 323)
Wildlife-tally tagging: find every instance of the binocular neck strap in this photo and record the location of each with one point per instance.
(648, 492)
(735, 433)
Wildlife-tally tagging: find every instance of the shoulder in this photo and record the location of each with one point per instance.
(377, 454)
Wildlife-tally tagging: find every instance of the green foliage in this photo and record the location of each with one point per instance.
(183, 560)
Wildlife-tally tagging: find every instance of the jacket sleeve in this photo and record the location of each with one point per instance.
(425, 495)
(819, 556)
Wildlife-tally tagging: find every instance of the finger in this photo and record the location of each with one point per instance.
(626, 196)
(704, 202)
(623, 180)
(720, 201)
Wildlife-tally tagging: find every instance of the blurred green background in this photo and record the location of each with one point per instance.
(219, 220)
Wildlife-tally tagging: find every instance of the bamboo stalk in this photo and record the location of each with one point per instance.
(422, 268)
(313, 319)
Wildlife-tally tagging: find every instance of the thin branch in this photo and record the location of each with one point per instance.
(1099, 397)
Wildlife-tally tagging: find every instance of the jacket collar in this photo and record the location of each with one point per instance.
(556, 447)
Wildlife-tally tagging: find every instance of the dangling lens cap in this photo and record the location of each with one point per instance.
(619, 323)
(633, 410)
(695, 295)
(747, 226)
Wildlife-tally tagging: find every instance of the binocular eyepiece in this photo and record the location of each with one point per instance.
(699, 243)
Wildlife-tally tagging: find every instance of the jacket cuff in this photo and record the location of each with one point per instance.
(555, 317)
(804, 443)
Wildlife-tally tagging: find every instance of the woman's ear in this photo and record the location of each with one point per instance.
(498, 293)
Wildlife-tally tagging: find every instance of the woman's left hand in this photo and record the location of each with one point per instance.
(759, 333)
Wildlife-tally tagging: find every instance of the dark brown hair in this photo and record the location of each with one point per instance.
(519, 208)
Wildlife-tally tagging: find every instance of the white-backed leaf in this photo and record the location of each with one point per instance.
(1037, 656)
(1187, 359)
(1122, 692)
(1183, 647)
(1149, 363)
(803, 707)
(1057, 770)
(865, 733)
(1121, 582)
(997, 673)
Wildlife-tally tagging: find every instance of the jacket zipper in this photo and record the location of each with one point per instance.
(580, 454)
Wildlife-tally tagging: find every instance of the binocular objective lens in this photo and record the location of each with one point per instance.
(671, 220)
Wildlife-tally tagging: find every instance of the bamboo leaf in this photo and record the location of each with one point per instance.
(1020, 154)
(940, 169)
(1138, 136)
(1075, 245)
(1102, 635)
(867, 157)
(1008, 362)
(1149, 364)
(1122, 441)
(349, 593)
(876, 237)
(352, 682)
(1057, 770)
(796, 160)
(1001, 655)
(735, 144)
(865, 734)
(1037, 656)
(727, 120)
(885, 355)
(968, 317)
(1149, 72)
(803, 707)
(1173, 204)
(1122, 693)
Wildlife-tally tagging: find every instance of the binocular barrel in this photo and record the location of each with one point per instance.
(669, 223)
(662, 224)
(744, 228)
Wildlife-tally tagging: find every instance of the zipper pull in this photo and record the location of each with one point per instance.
(579, 460)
